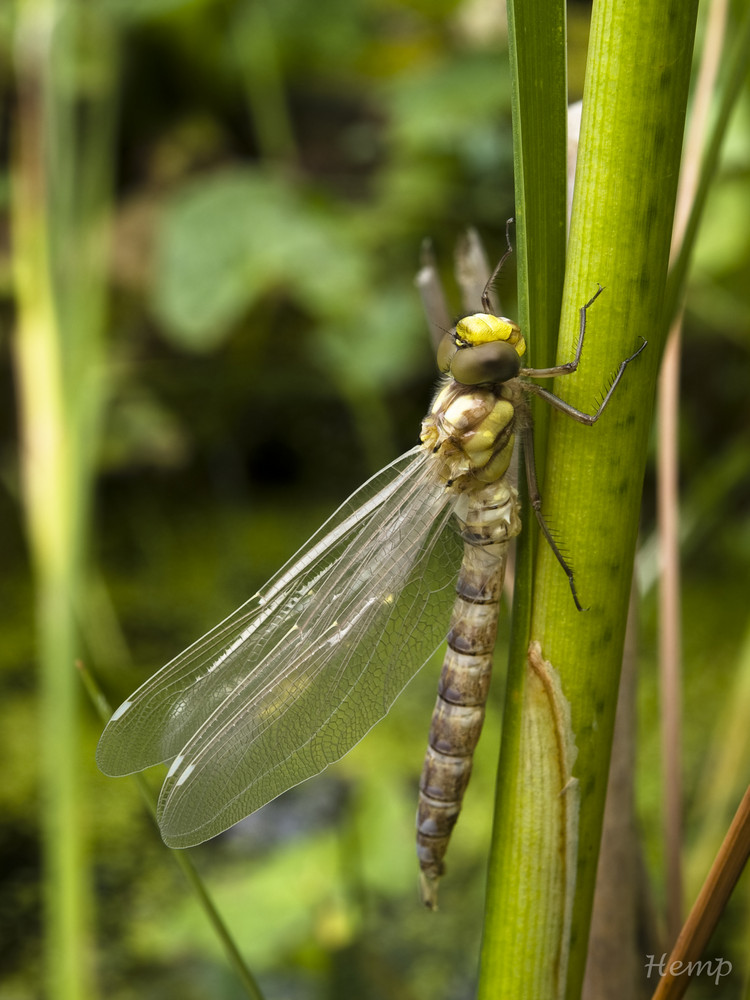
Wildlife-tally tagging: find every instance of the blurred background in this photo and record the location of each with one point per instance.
(259, 179)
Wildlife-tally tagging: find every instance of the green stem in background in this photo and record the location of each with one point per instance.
(64, 65)
(634, 105)
(182, 858)
(255, 45)
(733, 80)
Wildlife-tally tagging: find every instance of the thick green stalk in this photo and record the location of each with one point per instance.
(539, 903)
(631, 138)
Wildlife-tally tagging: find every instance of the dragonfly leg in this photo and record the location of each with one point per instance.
(569, 366)
(486, 304)
(527, 438)
(572, 411)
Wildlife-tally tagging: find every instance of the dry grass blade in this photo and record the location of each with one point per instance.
(670, 652)
(709, 905)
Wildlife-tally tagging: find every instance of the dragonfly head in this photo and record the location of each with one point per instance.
(482, 349)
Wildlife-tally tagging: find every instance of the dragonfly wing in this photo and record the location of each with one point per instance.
(329, 673)
(295, 677)
(154, 724)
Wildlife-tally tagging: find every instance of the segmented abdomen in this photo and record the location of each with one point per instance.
(465, 678)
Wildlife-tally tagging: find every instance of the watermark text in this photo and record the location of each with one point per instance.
(715, 968)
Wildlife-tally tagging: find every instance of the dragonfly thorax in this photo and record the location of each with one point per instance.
(471, 430)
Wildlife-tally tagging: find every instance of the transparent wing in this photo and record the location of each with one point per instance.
(296, 676)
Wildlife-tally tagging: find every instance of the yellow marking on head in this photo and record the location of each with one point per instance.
(483, 328)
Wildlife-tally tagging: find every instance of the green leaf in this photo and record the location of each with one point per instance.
(227, 240)
(514, 950)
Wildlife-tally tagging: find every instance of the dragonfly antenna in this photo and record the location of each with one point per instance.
(486, 305)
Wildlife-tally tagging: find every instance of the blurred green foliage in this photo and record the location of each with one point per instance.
(278, 166)
(277, 169)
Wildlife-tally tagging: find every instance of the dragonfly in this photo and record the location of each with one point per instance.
(294, 678)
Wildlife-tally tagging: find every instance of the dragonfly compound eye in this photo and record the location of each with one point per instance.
(485, 363)
(446, 352)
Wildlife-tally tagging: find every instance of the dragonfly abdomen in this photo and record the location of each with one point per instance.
(465, 678)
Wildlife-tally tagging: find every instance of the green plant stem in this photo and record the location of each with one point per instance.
(537, 32)
(252, 31)
(182, 858)
(633, 116)
(733, 80)
(59, 216)
(635, 96)
(51, 493)
(539, 101)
